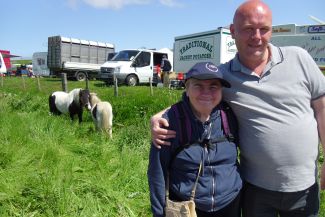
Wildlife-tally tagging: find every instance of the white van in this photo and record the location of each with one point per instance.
(133, 66)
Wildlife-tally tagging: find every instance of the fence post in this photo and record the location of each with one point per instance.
(38, 83)
(151, 90)
(115, 86)
(87, 83)
(23, 79)
(64, 82)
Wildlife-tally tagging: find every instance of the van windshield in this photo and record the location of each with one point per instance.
(125, 55)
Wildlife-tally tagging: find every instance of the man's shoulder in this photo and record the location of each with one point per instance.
(291, 49)
(225, 66)
(288, 52)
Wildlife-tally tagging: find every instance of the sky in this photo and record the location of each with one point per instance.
(153, 24)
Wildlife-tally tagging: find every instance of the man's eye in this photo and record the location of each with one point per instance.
(264, 30)
(249, 30)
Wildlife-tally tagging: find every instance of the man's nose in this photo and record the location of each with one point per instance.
(256, 34)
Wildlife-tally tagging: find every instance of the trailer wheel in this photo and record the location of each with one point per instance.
(81, 76)
(131, 80)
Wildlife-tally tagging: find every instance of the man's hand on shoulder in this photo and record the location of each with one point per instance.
(159, 135)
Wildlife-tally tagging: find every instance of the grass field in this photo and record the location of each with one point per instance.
(52, 166)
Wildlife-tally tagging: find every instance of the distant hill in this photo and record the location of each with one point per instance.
(23, 61)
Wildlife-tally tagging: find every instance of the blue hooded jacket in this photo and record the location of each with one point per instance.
(219, 182)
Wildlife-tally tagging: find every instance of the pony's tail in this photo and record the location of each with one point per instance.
(107, 120)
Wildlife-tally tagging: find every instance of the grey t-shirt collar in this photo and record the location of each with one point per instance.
(276, 58)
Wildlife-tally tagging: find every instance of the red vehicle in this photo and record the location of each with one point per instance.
(5, 64)
(6, 58)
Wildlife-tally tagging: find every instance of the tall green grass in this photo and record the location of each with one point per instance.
(52, 166)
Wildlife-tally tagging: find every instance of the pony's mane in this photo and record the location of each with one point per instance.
(94, 99)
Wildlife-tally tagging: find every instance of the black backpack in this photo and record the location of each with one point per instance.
(167, 66)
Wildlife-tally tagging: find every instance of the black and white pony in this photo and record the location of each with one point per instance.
(102, 114)
(73, 102)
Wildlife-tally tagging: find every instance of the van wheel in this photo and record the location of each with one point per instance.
(131, 80)
(81, 76)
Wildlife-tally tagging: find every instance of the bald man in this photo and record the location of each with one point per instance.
(278, 96)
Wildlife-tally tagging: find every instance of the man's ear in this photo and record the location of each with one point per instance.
(232, 30)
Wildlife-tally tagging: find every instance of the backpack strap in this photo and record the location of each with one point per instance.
(229, 122)
(225, 126)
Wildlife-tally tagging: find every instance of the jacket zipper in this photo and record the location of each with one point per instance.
(213, 182)
(213, 189)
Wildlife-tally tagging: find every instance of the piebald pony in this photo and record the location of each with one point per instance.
(73, 102)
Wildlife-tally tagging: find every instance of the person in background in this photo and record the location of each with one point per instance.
(30, 72)
(165, 67)
(278, 96)
(219, 182)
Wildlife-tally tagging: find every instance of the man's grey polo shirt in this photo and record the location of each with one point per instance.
(277, 129)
